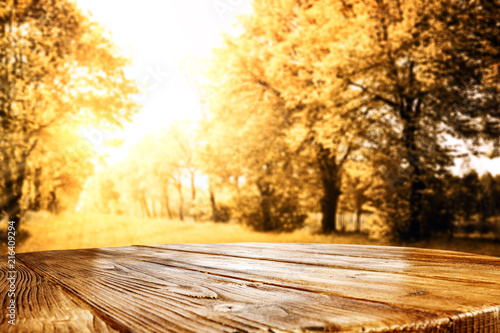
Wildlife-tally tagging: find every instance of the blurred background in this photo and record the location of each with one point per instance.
(355, 121)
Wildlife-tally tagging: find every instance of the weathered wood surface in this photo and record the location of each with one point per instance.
(255, 287)
(44, 307)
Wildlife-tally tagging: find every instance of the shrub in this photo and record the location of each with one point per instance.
(223, 213)
(469, 228)
(200, 210)
(485, 228)
(277, 212)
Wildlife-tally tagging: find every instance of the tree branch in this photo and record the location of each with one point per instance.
(266, 85)
(346, 155)
(375, 96)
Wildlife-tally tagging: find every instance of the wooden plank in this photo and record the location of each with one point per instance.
(422, 293)
(295, 288)
(408, 262)
(372, 251)
(152, 297)
(43, 307)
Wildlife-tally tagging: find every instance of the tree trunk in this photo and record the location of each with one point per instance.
(193, 187)
(213, 203)
(53, 206)
(15, 175)
(181, 201)
(154, 212)
(14, 210)
(330, 176)
(415, 201)
(358, 220)
(410, 111)
(265, 205)
(14, 192)
(166, 200)
(415, 231)
(38, 189)
(329, 204)
(144, 205)
(266, 214)
(37, 195)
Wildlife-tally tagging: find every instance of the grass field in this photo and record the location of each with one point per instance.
(43, 231)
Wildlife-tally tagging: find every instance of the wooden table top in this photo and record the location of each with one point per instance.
(254, 287)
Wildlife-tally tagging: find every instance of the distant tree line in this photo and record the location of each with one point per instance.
(475, 202)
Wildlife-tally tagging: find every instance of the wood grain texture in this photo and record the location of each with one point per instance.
(263, 287)
(43, 307)
(430, 263)
(231, 304)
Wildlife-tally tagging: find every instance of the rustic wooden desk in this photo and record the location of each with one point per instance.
(254, 287)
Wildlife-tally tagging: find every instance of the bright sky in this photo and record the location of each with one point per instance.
(160, 35)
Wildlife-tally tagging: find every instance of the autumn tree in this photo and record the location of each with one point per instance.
(437, 65)
(358, 190)
(215, 156)
(487, 204)
(175, 153)
(467, 196)
(247, 134)
(428, 68)
(207, 156)
(57, 170)
(56, 68)
(275, 78)
(272, 196)
(151, 180)
(181, 136)
(496, 194)
(475, 201)
(361, 73)
(217, 159)
(145, 177)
